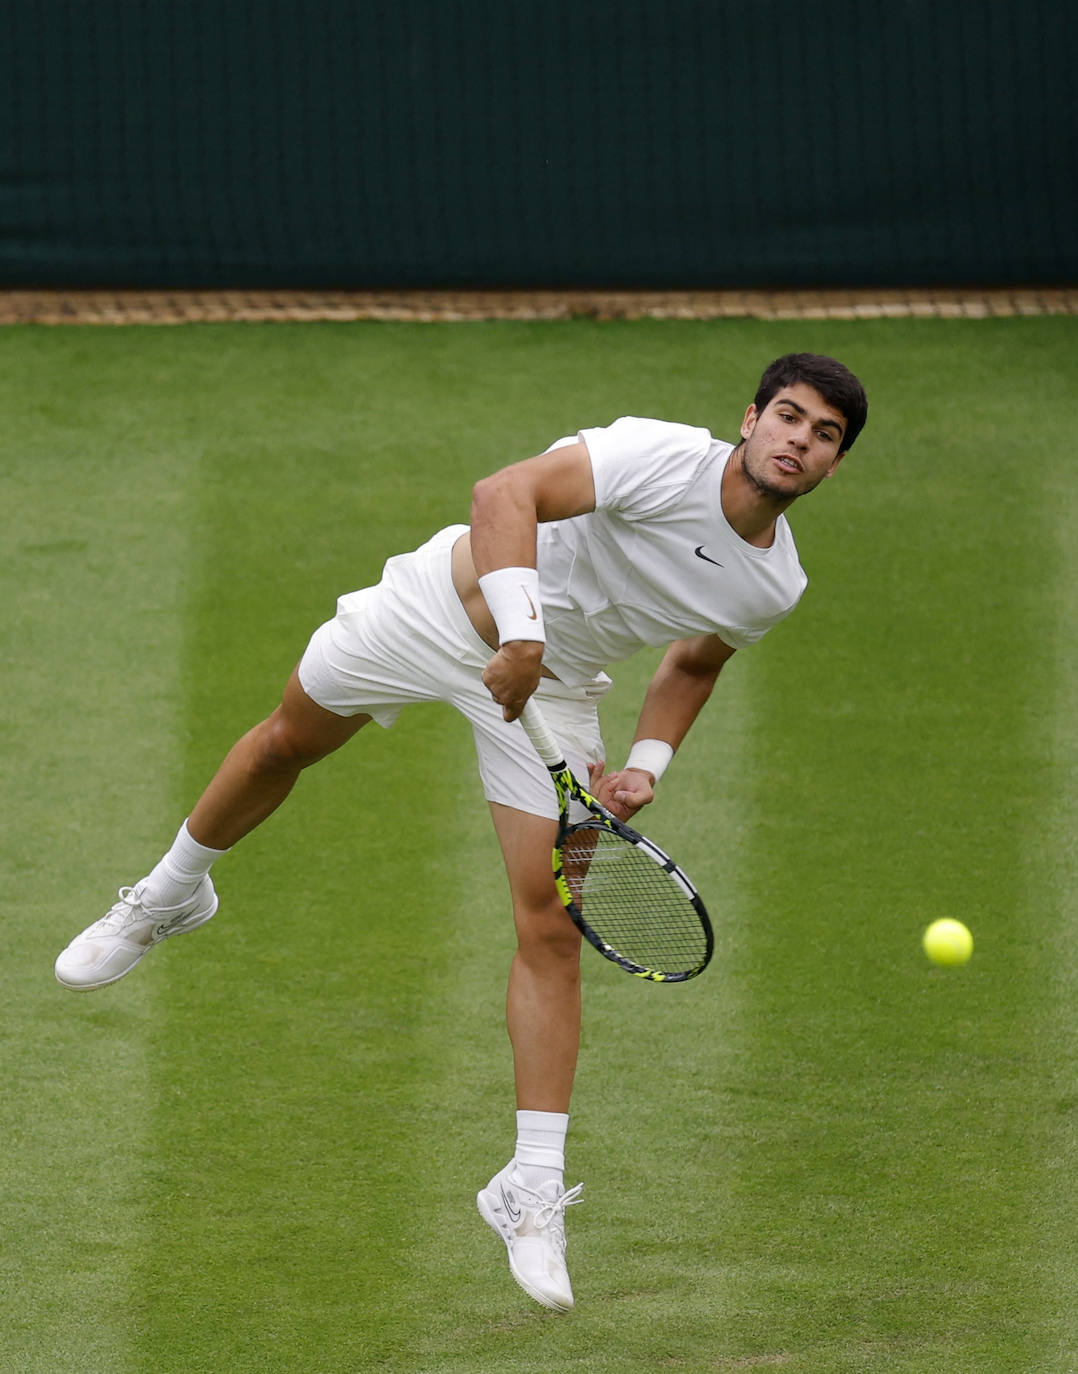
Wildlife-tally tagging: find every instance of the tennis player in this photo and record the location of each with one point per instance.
(639, 533)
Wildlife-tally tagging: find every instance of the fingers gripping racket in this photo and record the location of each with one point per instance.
(629, 899)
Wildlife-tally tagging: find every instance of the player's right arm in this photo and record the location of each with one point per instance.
(509, 504)
(507, 508)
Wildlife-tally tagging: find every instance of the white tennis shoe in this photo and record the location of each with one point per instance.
(113, 946)
(532, 1224)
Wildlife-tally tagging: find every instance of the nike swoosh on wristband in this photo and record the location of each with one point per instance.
(533, 614)
(699, 551)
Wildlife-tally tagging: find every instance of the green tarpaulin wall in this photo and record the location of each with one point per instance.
(573, 143)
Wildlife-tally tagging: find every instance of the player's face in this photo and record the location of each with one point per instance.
(792, 444)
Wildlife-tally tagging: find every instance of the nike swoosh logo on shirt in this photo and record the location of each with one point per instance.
(699, 551)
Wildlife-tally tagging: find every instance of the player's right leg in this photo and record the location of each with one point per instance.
(261, 769)
(178, 895)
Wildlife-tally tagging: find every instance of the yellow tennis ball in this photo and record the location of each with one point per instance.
(947, 942)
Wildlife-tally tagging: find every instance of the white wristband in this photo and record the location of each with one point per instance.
(512, 596)
(651, 756)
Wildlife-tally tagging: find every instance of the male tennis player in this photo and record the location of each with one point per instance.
(640, 533)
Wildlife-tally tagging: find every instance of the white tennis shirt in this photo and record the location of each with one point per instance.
(657, 559)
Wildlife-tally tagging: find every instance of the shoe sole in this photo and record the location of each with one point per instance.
(105, 982)
(487, 1213)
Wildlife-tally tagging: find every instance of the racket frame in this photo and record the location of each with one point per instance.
(569, 788)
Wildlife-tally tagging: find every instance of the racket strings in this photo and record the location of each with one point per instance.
(631, 902)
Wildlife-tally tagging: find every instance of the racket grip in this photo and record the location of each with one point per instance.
(537, 730)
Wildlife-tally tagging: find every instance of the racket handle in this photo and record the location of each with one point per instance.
(537, 730)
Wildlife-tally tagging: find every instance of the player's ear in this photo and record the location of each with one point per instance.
(748, 424)
(831, 470)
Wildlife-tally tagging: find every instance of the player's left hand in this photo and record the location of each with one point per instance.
(623, 792)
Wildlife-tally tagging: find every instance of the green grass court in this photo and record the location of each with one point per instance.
(259, 1153)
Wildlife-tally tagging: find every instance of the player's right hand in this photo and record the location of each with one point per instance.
(512, 675)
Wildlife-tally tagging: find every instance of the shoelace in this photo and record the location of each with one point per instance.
(121, 915)
(548, 1211)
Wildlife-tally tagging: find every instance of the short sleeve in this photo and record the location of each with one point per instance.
(642, 466)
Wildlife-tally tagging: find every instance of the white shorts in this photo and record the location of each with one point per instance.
(408, 640)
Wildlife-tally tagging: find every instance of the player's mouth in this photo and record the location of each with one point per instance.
(788, 463)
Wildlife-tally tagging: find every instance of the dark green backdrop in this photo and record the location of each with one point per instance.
(574, 142)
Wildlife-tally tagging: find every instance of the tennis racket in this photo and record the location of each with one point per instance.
(628, 898)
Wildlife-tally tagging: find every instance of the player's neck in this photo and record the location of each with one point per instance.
(750, 512)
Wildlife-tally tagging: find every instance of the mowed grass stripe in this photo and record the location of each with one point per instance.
(894, 1159)
(95, 551)
(314, 1130)
(1049, 874)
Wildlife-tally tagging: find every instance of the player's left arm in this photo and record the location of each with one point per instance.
(676, 695)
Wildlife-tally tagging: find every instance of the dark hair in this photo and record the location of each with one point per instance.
(835, 383)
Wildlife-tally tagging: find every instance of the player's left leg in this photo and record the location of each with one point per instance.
(543, 1003)
(525, 1202)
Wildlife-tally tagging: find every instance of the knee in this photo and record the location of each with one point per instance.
(546, 934)
(276, 747)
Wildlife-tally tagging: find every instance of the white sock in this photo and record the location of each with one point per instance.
(540, 1151)
(178, 874)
